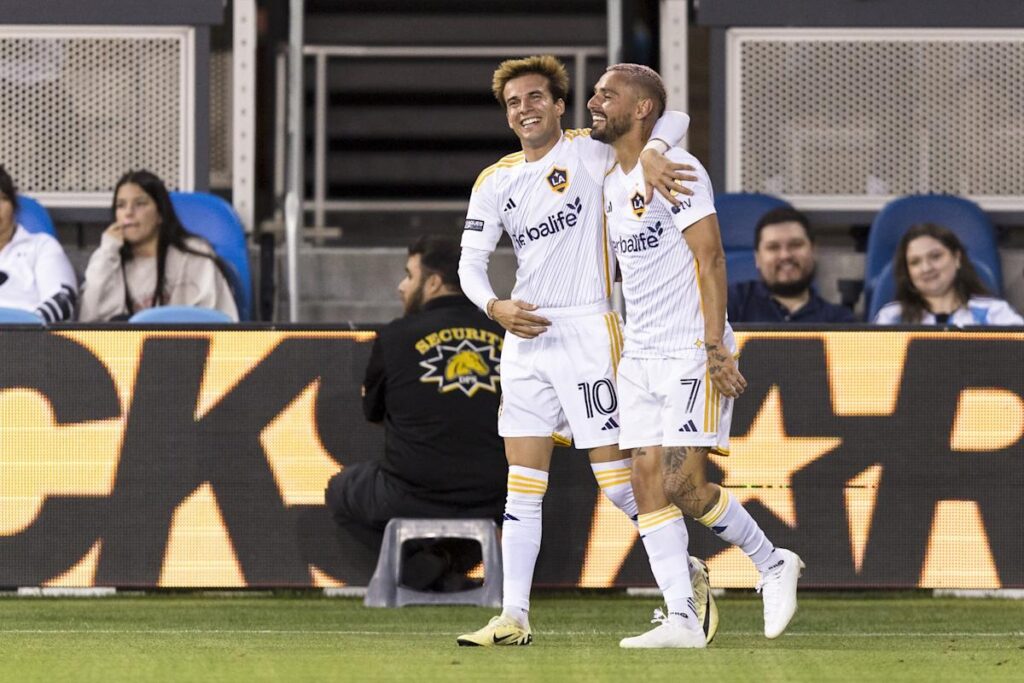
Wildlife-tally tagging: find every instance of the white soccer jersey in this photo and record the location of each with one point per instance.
(551, 208)
(659, 272)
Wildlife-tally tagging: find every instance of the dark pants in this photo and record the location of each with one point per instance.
(363, 498)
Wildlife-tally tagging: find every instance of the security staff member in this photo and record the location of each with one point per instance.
(432, 380)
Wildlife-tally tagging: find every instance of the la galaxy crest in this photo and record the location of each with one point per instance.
(637, 203)
(467, 365)
(558, 179)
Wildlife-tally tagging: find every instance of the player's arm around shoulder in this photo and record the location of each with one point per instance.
(698, 202)
(705, 241)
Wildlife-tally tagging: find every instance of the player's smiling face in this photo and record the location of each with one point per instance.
(612, 108)
(533, 115)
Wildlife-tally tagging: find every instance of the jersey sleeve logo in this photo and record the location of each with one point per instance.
(558, 179)
(474, 225)
(637, 202)
(683, 205)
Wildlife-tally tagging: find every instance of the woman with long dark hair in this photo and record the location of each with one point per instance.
(936, 284)
(35, 274)
(147, 258)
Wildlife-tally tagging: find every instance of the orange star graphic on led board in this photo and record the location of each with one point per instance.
(762, 463)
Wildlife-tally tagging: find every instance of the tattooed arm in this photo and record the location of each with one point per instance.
(705, 242)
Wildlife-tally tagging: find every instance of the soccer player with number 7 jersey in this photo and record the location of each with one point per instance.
(563, 341)
(678, 375)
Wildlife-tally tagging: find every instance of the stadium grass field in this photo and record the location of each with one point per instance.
(851, 637)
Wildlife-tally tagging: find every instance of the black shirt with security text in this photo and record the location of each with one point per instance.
(433, 381)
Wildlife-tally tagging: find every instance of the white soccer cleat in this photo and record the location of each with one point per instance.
(707, 610)
(668, 633)
(777, 587)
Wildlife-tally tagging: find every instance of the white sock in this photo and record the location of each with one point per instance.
(613, 478)
(665, 538)
(520, 538)
(733, 524)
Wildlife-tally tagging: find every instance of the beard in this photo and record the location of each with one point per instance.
(793, 287)
(414, 304)
(612, 131)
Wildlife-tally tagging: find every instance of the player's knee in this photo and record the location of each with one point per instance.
(693, 500)
(686, 505)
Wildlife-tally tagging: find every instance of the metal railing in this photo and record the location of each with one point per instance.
(320, 203)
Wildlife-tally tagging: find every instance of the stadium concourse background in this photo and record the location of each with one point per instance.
(149, 457)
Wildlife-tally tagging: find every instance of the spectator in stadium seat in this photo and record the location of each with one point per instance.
(147, 258)
(35, 274)
(432, 380)
(784, 253)
(936, 284)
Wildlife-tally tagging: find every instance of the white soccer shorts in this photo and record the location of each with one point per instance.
(671, 402)
(562, 383)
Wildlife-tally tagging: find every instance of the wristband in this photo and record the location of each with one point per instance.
(488, 307)
(657, 145)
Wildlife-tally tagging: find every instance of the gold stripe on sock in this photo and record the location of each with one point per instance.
(714, 513)
(612, 476)
(665, 514)
(525, 488)
(608, 482)
(533, 490)
(522, 484)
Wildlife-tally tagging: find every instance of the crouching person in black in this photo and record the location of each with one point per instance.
(432, 380)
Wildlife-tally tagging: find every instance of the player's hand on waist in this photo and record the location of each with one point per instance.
(725, 375)
(515, 316)
(665, 176)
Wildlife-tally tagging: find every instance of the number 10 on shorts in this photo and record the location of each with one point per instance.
(600, 396)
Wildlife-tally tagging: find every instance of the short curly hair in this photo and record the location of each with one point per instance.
(546, 65)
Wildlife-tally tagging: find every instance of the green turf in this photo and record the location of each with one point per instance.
(179, 638)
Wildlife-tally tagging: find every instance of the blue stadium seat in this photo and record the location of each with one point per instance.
(740, 266)
(19, 316)
(213, 219)
(33, 216)
(180, 314)
(960, 215)
(738, 214)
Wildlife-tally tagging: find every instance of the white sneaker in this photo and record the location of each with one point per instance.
(668, 633)
(777, 587)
